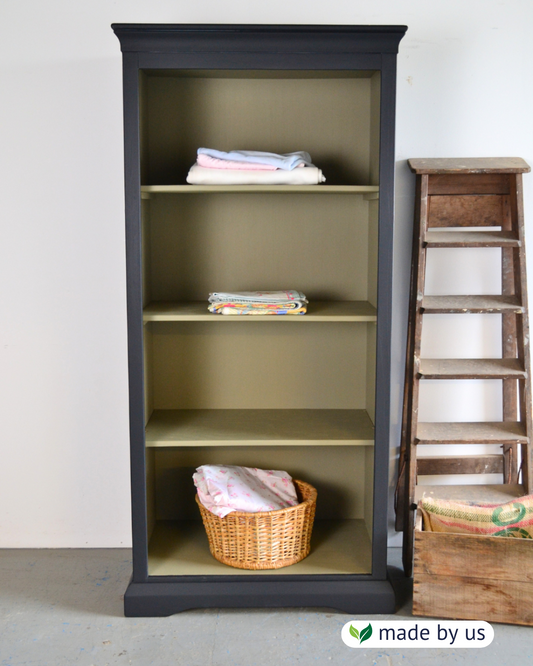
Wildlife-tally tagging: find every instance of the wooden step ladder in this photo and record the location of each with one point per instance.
(465, 203)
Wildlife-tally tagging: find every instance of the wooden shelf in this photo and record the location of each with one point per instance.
(287, 189)
(265, 427)
(440, 239)
(501, 432)
(471, 368)
(470, 304)
(490, 494)
(337, 547)
(329, 311)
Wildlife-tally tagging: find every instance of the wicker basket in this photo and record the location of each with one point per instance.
(263, 540)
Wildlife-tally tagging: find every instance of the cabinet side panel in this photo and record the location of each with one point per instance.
(371, 371)
(373, 238)
(375, 120)
(369, 490)
(146, 252)
(371, 351)
(148, 359)
(134, 308)
(150, 491)
(143, 126)
(384, 305)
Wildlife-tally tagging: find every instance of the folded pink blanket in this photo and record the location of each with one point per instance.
(226, 488)
(215, 163)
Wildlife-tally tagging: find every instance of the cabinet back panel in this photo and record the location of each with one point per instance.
(263, 365)
(338, 474)
(246, 242)
(328, 117)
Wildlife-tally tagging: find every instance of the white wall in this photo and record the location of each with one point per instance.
(464, 89)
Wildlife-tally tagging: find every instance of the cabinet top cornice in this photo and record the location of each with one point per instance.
(174, 38)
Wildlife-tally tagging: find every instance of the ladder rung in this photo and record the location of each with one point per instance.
(471, 368)
(471, 239)
(501, 432)
(486, 464)
(490, 494)
(470, 304)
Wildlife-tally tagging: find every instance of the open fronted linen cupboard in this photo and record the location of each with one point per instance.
(307, 394)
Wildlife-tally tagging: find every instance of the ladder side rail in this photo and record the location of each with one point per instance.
(522, 327)
(409, 513)
(509, 347)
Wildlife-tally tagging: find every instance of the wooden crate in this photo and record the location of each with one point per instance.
(471, 577)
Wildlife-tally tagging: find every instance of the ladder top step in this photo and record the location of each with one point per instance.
(471, 239)
(489, 494)
(470, 304)
(471, 368)
(500, 432)
(468, 165)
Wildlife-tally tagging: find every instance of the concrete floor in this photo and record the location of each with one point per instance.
(64, 608)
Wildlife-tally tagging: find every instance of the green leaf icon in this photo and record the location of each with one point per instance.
(366, 633)
(354, 632)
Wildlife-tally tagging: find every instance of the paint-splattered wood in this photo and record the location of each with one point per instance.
(489, 432)
(487, 464)
(470, 304)
(486, 493)
(469, 183)
(485, 210)
(471, 368)
(468, 165)
(472, 239)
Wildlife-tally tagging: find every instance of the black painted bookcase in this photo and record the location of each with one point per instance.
(307, 394)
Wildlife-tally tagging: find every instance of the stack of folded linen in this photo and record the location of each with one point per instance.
(258, 303)
(251, 167)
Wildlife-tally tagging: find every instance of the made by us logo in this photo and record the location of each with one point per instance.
(410, 634)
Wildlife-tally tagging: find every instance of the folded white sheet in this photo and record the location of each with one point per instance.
(309, 175)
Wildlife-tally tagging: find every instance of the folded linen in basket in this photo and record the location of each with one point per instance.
(258, 303)
(226, 488)
(287, 161)
(198, 175)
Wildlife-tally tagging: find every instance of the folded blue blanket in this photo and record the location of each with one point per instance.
(288, 162)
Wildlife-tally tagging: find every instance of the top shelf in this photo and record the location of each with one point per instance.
(371, 190)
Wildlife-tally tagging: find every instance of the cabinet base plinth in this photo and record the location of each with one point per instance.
(159, 599)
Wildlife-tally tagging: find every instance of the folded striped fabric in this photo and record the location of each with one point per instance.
(258, 303)
(512, 519)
